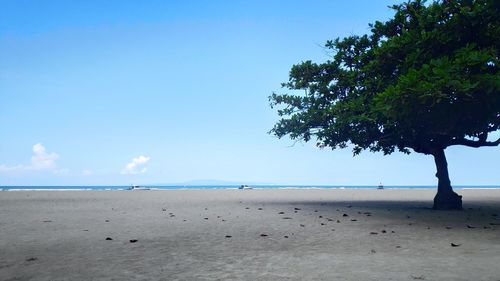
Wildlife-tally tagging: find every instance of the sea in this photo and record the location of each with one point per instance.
(197, 187)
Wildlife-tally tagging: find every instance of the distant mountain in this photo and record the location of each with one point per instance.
(209, 182)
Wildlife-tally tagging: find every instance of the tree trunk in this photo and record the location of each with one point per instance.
(446, 198)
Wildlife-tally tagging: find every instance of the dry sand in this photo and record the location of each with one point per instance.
(184, 235)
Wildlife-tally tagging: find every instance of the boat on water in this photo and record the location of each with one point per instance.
(244, 186)
(380, 186)
(138, 187)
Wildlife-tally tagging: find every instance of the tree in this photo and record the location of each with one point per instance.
(422, 81)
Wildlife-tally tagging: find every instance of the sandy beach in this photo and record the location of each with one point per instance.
(247, 235)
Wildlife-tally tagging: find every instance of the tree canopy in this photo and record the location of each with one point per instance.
(426, 79)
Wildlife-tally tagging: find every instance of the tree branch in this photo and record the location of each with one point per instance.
(471, 143)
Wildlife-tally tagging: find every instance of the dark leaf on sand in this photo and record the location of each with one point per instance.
(354, 220)
(455, 245)
(323, 224)
(106, 220)
(228, 236)
(448, 227)
(109, 238)
(281, 213)
(31, 259)
(302, 225)
(47, 221)
(296, 209)
(205, 218)
(287, 218)
(470, 226)
(263, 235)
(384, 231)
(345, 215)
(133, 240)
(260, 209)
(286, 236)
(373, 251)
(373, 233)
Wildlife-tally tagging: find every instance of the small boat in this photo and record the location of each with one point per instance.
(244, 186)
(380, 186)
(138, 187)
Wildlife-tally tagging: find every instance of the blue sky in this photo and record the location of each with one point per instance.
(121, 92)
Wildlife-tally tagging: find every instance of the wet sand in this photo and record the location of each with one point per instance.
(247, 235)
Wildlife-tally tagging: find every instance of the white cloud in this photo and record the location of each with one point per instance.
(137, 166)
(11, 169)
(40, 160)
(63, 171)
(87, 172)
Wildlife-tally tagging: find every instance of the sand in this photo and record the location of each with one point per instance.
(247, 235)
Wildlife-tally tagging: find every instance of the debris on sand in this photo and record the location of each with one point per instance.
(133, 240)
(455, 245)
(109, 238)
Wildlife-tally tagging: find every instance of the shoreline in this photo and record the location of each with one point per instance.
(166, 188)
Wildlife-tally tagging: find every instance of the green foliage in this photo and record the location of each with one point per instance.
(426, 79)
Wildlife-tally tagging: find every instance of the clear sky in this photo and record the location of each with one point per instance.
(121, 92)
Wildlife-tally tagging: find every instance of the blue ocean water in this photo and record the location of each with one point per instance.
(180, 187)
